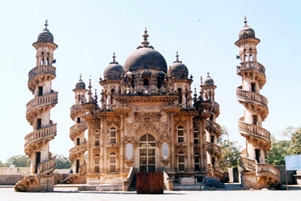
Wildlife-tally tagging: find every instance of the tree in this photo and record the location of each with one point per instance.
(278, 151)
(18, 161)
(62, 162)
(230, 151)
(296, 141)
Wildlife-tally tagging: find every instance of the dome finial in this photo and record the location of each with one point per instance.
(46, 24)
(208, 74)
(245, 21)
(80, 77)
(114, 57)
(177, 56)
(145, 42)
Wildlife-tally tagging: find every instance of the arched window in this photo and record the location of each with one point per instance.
(196, 162)
(113, 135)
(195, 136)
(96, 138)
(180, 96)
(181, 161)
(96, 163)
(112, 163)
(180, 133)
(147, 153)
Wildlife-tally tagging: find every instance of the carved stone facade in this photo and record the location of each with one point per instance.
(147, 120)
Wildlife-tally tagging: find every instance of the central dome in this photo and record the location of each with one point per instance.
(145, 58)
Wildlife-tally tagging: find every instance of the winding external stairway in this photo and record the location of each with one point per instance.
(36, 145)
(256, 172)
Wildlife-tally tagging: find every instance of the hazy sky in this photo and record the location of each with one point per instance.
(202, 31)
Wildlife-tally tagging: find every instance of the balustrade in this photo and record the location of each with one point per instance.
(253, 130)
(47, 166)
(43, 69)
(41, 101)
(251, 65)
(40, 134)
(251, 96)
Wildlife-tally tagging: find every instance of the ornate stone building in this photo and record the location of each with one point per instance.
(147, 119)
(256, 172)
(38, 115)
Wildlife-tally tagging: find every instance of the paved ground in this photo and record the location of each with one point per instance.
(231, 193)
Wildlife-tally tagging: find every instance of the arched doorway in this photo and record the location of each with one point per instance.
(147, 153)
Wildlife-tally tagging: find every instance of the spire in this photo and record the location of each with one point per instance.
(114, 57)
(208, 75)
(89, 91)
(46, 25)
(177, 58)
(80, 77)
(245, 21)
(145, 42)
(201, 80)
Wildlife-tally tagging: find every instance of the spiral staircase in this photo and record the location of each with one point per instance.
(38, 109)
(256, 173)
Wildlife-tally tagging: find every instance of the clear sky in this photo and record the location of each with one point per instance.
(203, 32)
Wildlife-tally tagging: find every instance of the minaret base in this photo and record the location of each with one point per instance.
(35, 183)
(250, 180)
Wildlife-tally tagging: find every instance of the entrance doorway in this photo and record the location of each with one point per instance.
(257, 155)
(147, 153)
(38, 160)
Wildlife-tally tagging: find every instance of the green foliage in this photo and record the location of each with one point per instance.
(62, 162)
(18, 161)
(230, 151)
(296, 141)
(2, 164)
(278, 151)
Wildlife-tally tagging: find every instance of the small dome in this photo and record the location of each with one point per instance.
(80, 84)
(208, 81)
(178, 69)
(45, 36)
(246, 32)
(145, 57)
(113, 71)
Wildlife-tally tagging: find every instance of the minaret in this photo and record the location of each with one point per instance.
(77, 131)
(255, 111)
(38, 115)
(213, 129)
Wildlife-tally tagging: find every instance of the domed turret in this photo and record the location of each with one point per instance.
(208, 81)
(113, 71)
(80, 84)
(45, 36)
(178, 69)
(246, 31)
(145, 57)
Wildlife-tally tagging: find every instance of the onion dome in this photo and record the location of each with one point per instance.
(45, 36)
(178, 69)
(145, 57)
(208, 81)
(113, 71)
(80, 84)
(246, 31)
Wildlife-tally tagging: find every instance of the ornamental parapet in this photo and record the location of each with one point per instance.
(263, 169)
(41, 101)
(249, 96)
(251, 65)
(213, 148)
(47, 167)
(78, 149)
(77, 129)
(247, 163)
(44, 134)
(253, 131)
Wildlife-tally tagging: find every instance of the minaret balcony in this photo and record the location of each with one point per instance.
(213, 149)
(40, 102)
(248, 164)
(77, 129)
(40, 135)
(38, 73)
(254, 131)
(213, 127)
(77, 150)
(47, 167)
(251, 65)
(249, 96)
